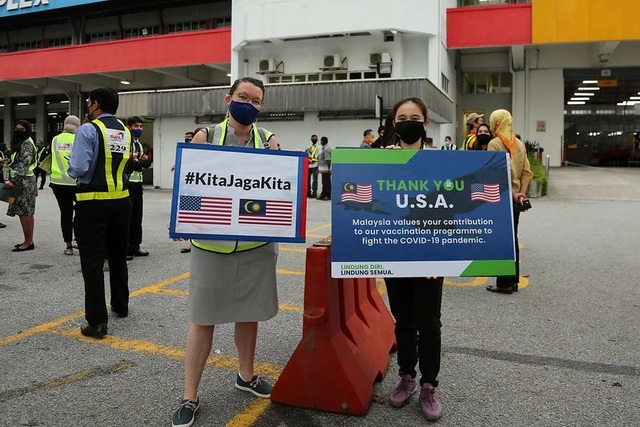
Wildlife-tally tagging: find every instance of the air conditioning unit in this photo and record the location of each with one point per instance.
(267, 65)
(332, 61)
(379, 58)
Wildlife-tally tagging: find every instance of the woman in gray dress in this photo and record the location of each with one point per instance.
(231, 281)
(19, 175)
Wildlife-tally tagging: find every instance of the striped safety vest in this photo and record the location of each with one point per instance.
(60, 152)
(136, 147)
(32, 166)
(109, 181)
(260, 140)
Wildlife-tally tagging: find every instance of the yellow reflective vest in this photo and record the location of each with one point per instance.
(260, 140)
(109, 181)
(60, 151)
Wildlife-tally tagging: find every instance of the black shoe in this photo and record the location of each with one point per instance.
(311, 195)
(494, 288)
(140, 253)
(129, 257)
(98, 331)
(121, 314)
(2, 225)
(19, 249)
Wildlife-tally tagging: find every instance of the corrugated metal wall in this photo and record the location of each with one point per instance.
(331, 96)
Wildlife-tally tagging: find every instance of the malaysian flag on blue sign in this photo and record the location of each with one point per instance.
(265, 212)
(485, 192)
(205, 210)
(356, 193)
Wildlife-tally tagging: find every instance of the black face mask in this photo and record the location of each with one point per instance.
(483, 139)
(410, 131)
(20, 135)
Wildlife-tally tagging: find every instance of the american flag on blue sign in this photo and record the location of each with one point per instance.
(356, 193)
(485, 192)
(205, 210)
(265, 212)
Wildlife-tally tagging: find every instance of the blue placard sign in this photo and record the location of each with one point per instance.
(413, 213)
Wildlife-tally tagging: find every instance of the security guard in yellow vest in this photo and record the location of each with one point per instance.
(139, 161)
(101, 150)
(63, 186)
(312, 150)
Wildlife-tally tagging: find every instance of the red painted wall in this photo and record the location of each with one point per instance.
(479, 26)
(170, 50)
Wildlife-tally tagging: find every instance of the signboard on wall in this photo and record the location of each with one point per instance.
(21, 7)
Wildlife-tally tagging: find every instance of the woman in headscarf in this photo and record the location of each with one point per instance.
(501, 124)
(20, 165)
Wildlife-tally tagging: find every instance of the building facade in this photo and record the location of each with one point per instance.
(334, 68)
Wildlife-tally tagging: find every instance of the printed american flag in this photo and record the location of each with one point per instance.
(356, 193)
(485, 192)
(205, 210)
(265, 212)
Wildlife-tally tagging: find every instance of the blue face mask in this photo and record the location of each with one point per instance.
(137, 133)
(243, 112)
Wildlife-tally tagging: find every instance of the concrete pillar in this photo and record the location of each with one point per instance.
(41, 118)
(8, 121)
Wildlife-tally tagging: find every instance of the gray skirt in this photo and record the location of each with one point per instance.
(236, 287)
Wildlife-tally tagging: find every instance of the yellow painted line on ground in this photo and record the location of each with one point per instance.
(67, 379)
(46, 327)
(290, 307)
(318, 236)
(290, 249)
(462, 283)
(290, 272)
(141, 346)
(153, 288)
(250, 415)
(321, 227)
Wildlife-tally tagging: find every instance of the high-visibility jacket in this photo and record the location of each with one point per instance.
(449, 147)
(109, 181)
(136, 147)
(60, 151)
(260, 140)
(468, 142)
(313, 150)
(32, 165)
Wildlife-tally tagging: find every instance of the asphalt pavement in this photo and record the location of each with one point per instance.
(564, 351)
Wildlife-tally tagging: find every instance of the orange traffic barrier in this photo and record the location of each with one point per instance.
(347, 334)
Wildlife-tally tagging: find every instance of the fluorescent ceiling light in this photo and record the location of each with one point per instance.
(229, 75)
(53, 114)
(588, 88)
(583, 94)
(589, 82)
(576, 103)
(637, 98)
(125, 82)
(580, 99)
(1, 105)
(66, 101)
(22, 103)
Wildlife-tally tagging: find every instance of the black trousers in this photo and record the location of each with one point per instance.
(313, 182)
(101, 228)
(66, 197)
(326, 185)
(415, 304)
(135, 228)
(509, 281)
(39, 173)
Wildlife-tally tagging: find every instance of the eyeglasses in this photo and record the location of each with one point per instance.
(243, 97)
